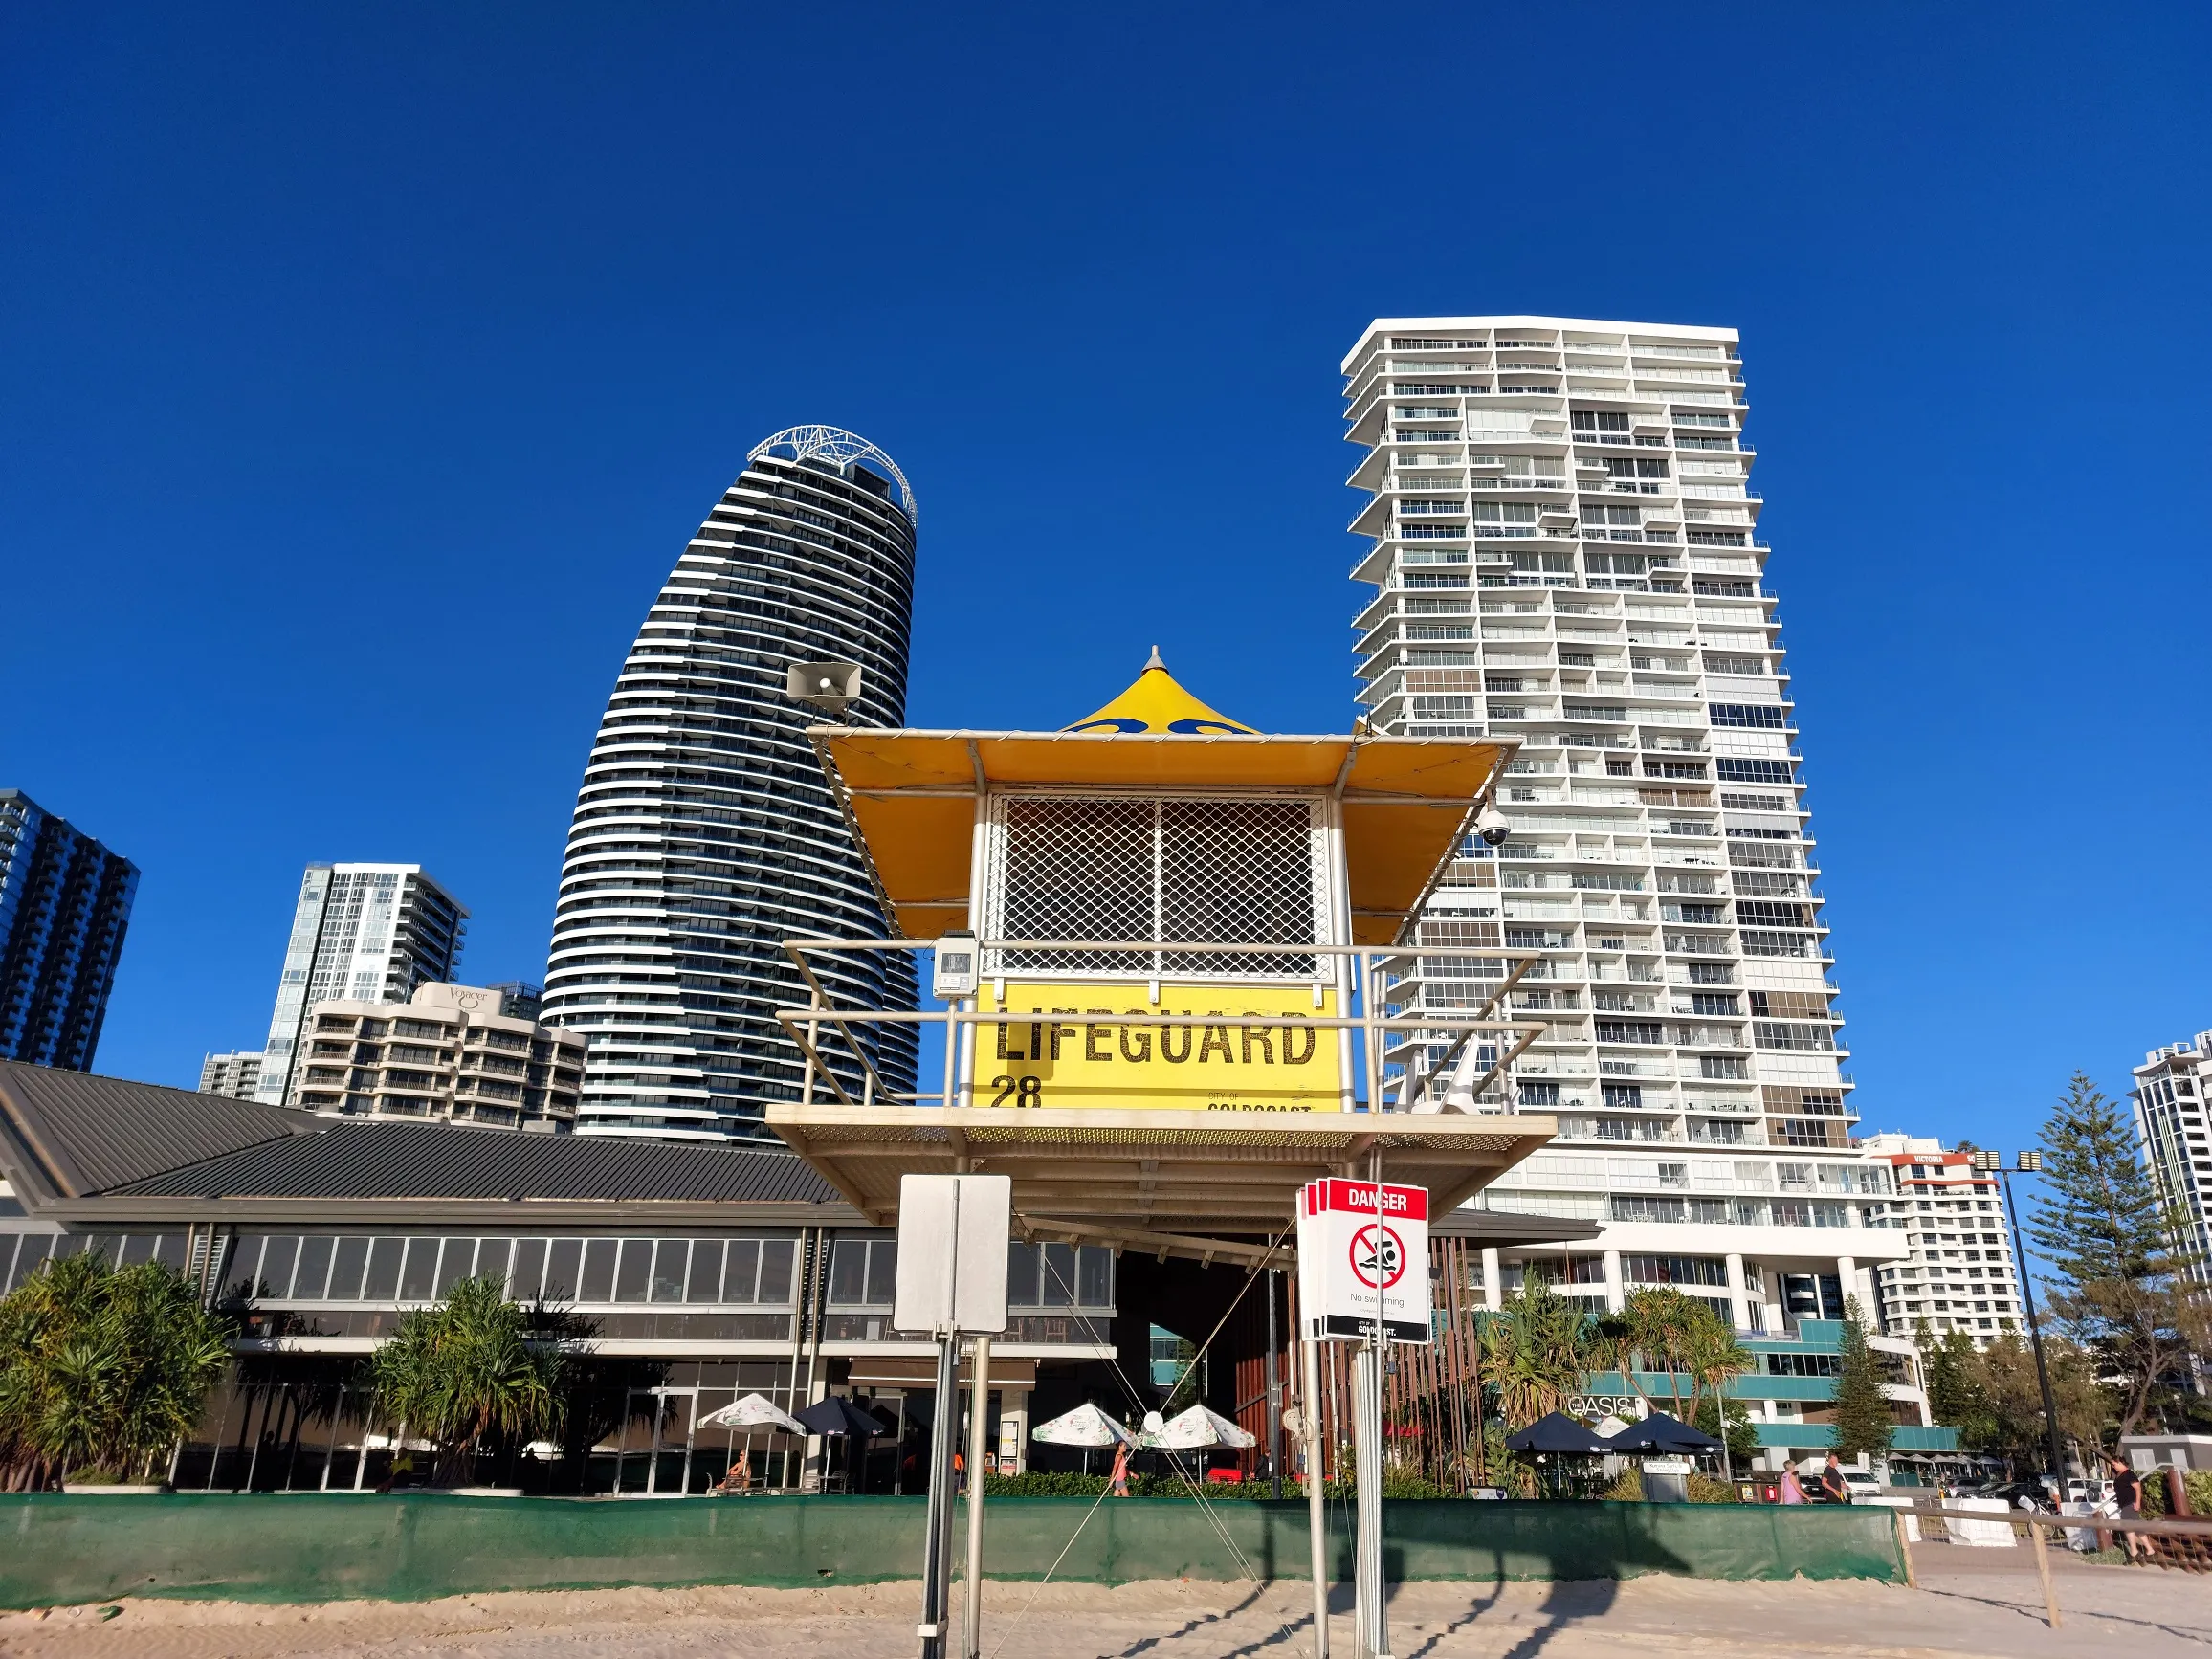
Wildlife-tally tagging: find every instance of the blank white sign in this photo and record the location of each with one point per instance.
(952, 1253)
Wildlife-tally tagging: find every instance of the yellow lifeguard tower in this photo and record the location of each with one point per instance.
(1163, 941)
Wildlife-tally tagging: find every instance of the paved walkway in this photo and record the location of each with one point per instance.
(1971, 1602)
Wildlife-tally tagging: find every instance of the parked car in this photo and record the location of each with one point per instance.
(2015, 1494)
(1859, 1483)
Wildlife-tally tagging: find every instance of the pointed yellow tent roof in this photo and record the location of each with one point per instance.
(1157, 703)
(910, 796)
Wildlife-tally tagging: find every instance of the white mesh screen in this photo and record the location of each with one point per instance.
(1198, 870)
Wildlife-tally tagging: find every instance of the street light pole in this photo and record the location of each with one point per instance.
(2030, 1163)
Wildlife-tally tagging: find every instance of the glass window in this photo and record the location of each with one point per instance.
(670, 1257)
(706, 1271)
(1021, 1274)
(419, 1277)
(882, 1272)
(277, 1263)
(564, 1270)
(1059, 1275)
(635, 1274)
(776, 1256)
(314, 1274)
(458, 1263)
(848, 1273)
(137, 1247)
(491, 1257)
(168, 1251)
(382, 1284)
(242, 1273)
(528, 1276)
(348, 1258)
(743, 1272)
(597, 1285)
(1094, 1281)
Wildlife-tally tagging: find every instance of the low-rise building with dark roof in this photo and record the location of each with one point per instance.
(703, 1272)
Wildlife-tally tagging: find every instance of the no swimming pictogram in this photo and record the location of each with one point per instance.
(1378, 1262)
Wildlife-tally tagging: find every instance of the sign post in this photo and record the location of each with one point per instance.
(952, 1280)
(1363, 1277)
(1310, 1419)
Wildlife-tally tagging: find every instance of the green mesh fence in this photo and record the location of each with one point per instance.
(56, 1549)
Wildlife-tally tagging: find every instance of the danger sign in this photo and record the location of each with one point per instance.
(1363, 1256)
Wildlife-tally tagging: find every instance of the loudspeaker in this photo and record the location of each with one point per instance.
(833, 687)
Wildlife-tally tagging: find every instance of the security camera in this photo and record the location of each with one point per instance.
(1491, 824)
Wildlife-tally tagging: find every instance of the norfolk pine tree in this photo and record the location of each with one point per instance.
(2101, 1227)
(1862, 1420)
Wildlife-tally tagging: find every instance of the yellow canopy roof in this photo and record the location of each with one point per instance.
(1158, 703)
(911, 795)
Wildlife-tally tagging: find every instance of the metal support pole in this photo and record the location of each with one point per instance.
(937, 1559)
(1373, 1610)
(1316, 1504)
(1371, 1618)
(979, 1414)
(1274, 1398)
(952, 1030)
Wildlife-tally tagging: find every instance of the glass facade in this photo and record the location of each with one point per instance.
(64, 907)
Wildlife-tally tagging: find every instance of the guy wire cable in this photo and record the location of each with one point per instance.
(1205, 1507)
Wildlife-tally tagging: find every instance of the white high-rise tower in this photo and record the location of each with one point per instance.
(1566, 552)
(371, 932)
(705, 834)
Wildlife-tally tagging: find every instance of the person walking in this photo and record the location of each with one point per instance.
(1833, 1487)
(2127, 1501)
(1117, 1483)
(1793, 1490)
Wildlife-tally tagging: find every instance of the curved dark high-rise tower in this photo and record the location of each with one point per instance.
(705, 834)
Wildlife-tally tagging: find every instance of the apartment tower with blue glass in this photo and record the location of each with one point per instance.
(64, 906)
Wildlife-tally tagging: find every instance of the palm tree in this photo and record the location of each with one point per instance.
(1533, 1351)
(1647, 1338)
(102, 1369)
(1713, 1357)
(474, 1364)
(1660, 1332)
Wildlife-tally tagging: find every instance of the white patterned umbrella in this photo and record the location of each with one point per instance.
(1085, 1426)
(753, 1411)
(1197, 1428)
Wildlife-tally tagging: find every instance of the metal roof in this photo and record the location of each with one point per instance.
(70, 1135)
(383, 1162)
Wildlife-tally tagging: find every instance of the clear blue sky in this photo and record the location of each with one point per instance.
(366, 369)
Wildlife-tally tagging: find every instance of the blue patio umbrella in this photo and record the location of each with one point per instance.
(1668, 1436)
(1559, 1433)
(838, 1415)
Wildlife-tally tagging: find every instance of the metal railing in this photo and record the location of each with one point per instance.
(1377, 1084)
